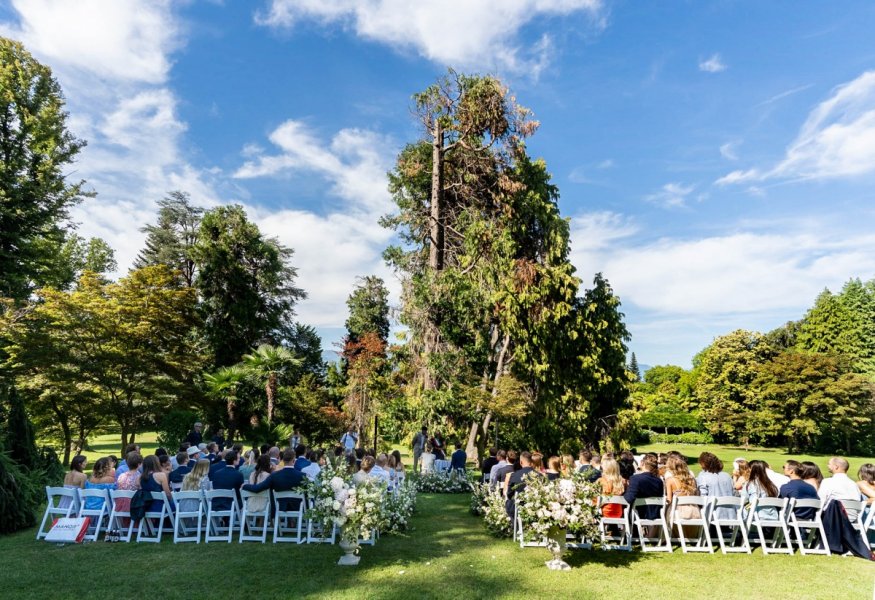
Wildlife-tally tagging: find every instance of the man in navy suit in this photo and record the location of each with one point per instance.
(646, 484)
(217, 466)
(179, 473)
(284, 480)
(458, 459)
(228, 478)
(517, 484)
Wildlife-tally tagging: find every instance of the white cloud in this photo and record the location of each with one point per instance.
(112, 59)
(608, 163)
(460, 33)
(331, 250)
(727, 150)
(714, 64)
(784, 94)
(837, 139)
(671, 195)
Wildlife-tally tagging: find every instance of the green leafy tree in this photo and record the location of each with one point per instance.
(19, 432)
(171, 240)
(306, 344)
(246, 285)
(368, 309)
(36, 150)
(805, 394)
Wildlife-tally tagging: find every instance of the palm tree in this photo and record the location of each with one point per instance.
(223, 384)
(266, 365)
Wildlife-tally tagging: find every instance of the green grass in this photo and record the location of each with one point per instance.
(448, 554)
(110, 443)
(774, 456)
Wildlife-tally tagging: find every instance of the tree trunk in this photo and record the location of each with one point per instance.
(68, 441)
(270, 389)
(124, 440)
(436, 246)
(472, 449)
(230, 407)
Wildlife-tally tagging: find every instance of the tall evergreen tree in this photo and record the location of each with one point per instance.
(37, 151)
(171, 240)
(19, 432)
(368, 309)
(633, 367)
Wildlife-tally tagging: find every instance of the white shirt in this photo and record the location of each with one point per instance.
(427, 461)
(380, 474)
(777, 478)
(839, 487)
(349, 440)
(312, 471)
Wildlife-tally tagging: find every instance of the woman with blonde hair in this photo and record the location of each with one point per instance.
(612, 484)
(553, 468)
(682, 483)
(740, 473)
(537, 462)
(567, 467)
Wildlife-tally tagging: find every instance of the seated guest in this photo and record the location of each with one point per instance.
(159, 452)
(238, 448)
(759, 485)
(646, 484)
(113, 463)
(516, 484)
(866, 482)
(713, 481)
(554, 467)
(282, 480)
(567, 466)
(274, 454)
(129, 480)
(612, 484)
(839, 486)
(797, 488)
(789, 467)
(219, 439)
(458, 459)
(228, 478)
(262, 471)
(400, 472)
(595, 471)
(364, 472)
(178, 474)
(740, 473)
(313, 469)
(212, 452)
(301, 462)
(164, 461)
(248, 466)
(487, 464)
(538, 462)
(379, 472)
(153, 479)
(101, 479)
(427, 459)
(583, 461)
(627, 464)
(217, 465)
(76, 478)
(124, 466)
(197, 480)
(502, 462)
(513, 465)
(811, 474)
(682, 483)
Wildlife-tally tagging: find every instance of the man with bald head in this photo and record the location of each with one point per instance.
(839, 486)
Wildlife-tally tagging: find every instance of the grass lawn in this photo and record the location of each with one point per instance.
(448, 554)
(774, 456)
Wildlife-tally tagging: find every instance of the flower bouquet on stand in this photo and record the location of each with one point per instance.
(550, 509)
(398, 507)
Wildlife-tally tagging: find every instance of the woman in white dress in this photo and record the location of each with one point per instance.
(262, 471)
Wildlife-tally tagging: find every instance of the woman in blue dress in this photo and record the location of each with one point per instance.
(154, 479)
(102, 478)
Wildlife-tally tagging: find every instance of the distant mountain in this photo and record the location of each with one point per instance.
(643, 368)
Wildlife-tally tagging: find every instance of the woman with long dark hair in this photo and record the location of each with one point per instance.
(154, 479)
(760, 486)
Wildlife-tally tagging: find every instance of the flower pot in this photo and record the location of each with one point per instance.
(349, 547)
(556, 545)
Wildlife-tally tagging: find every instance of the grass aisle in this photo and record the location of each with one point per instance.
(447, 555)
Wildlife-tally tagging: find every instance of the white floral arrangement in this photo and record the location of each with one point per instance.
(398, 507)
(443, 482)
(568, 504)
(356, 510)
(480, 493)
(495, 514)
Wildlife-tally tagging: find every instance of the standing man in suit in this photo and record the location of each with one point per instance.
(458, 459)
(227, 478)
(283, 480)
(194, 436)
(419, 442)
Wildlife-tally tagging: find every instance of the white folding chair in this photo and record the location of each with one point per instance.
(726, 512)
(703, 540)
(519, 534)
(641, 522)
(869, 527)
(317, 531)
(97, 515)
(57, 507)
(813, 525)
(281, 518)
(608, 540)
(249, 520)
(116, 515)
(782, 543)
(857, 507)
(148, 531)
(217, 531)
(175, 487)
(187, 524)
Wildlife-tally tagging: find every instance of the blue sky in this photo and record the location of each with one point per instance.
(716, 159)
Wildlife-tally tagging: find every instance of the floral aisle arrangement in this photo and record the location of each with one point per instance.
(495, 514)
(549, 509)
(442, 482)
(398, 507)
(479, 496)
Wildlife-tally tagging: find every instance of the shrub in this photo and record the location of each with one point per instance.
(20, 496)
(174, 427)
(691, 437)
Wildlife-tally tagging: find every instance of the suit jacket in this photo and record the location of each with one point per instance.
(284, 480)
(194, 438)
(516, 485)
(178, 474)
(216, 467)
(458, 459)
(645, 485)
(228, 478)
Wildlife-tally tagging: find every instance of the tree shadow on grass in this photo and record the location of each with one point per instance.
(612, 559)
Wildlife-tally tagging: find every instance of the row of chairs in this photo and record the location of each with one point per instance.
(201, 517)
(774, 521)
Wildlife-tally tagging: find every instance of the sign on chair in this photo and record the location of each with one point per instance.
(68, 530)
